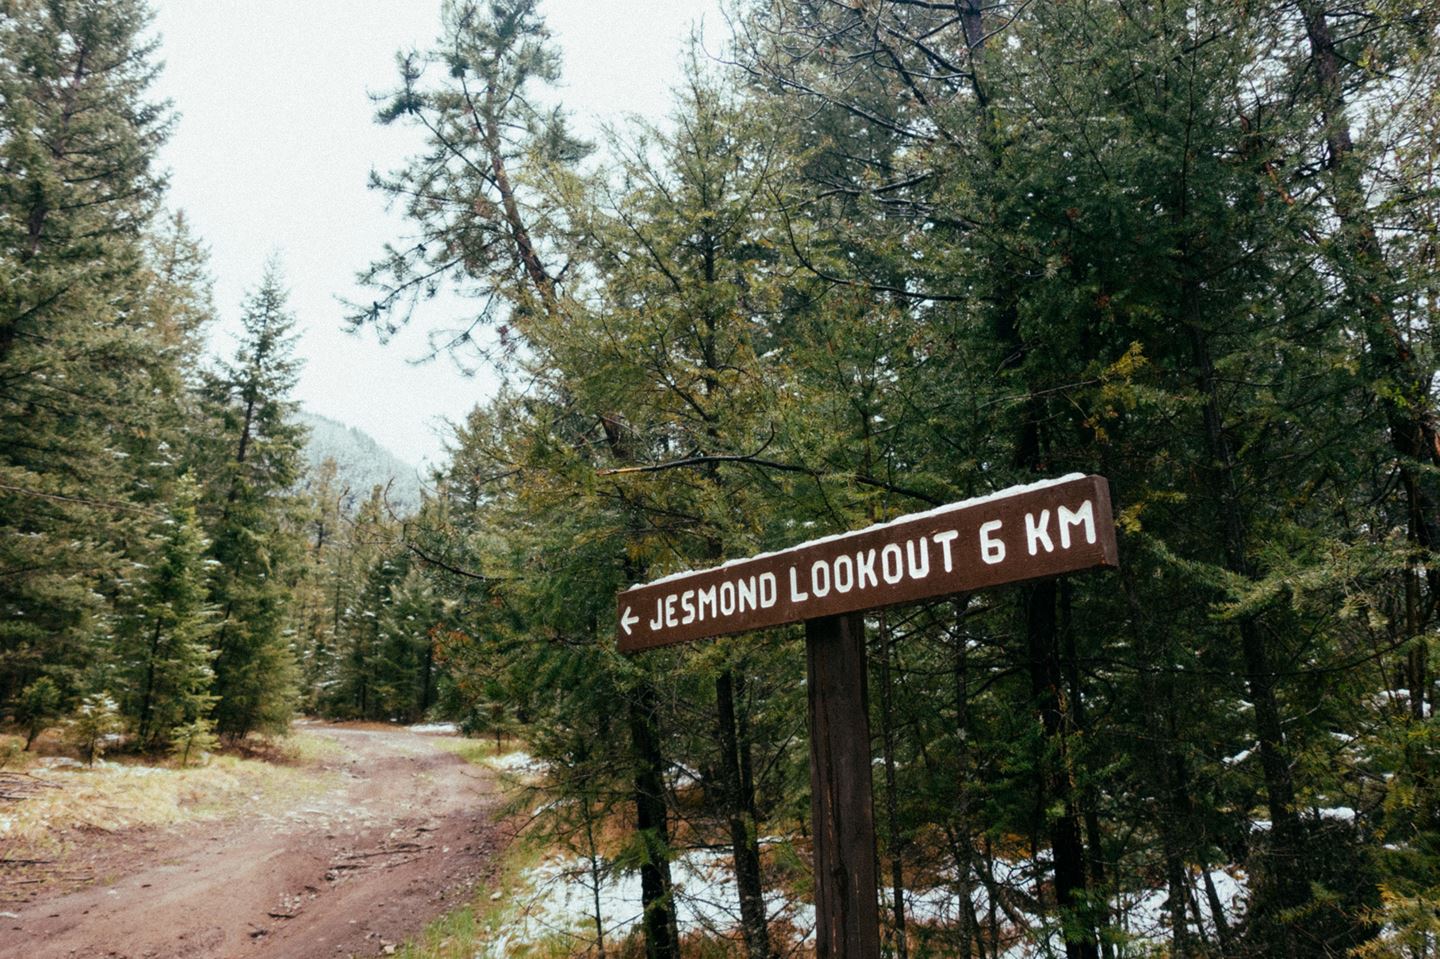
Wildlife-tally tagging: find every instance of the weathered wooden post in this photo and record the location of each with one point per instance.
(1022, 533)
(842, 818)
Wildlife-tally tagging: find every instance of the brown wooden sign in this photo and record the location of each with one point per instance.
(1022, 533)
(1025, 532)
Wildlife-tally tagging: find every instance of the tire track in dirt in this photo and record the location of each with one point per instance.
(406, 836)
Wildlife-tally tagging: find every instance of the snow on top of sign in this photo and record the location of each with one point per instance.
(908, 517)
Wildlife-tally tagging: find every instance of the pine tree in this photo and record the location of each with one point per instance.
(77, 189)
(38, 709)
(1120, 274)
(480, 191)
(484, 195)
(361, 680)
(254, 457)
(325, 583)
(194, 738)
(163, 646)
(90, 727)
(687, 304)
(409, 624)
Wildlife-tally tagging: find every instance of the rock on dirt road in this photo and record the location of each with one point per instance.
(404, 838)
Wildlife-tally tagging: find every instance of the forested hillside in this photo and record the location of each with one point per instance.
(882, 256)
(361, 464)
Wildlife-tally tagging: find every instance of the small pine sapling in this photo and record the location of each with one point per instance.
(39, 708)
(93, 723)
(195, 738)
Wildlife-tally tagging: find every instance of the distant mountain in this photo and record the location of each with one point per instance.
(362, 463)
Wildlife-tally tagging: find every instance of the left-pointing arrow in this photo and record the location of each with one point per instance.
(628, 619)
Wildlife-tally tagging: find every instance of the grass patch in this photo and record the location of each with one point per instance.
(308, 749)
(13, 757)
(474, 751)
(120, 795)
(450, 937)
(477, 750)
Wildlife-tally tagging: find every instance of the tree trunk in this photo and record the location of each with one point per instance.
(427, 682)
(148, 696)
(597, 916)
(1217, 913)
(524, 247)
(1087, 800)
(662, 937)
(740, 813)
(1292, 889)
(1071, 892)
(963, 861)
(1403, 382)
(892, 805)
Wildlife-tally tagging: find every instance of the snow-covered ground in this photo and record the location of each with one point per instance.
(558, 900)
(445, 729)
(516, 764)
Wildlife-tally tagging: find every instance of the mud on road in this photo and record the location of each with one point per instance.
(405, 837)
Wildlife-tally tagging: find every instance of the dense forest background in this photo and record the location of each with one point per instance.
(883, 255)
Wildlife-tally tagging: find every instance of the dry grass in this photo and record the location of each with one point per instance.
(13, 757)
(61, 800)
(475, 750)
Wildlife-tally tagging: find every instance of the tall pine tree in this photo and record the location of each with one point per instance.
(78, 137)
(255, 455)
(163, 647)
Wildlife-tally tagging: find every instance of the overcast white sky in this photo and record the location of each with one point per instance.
(276, 138)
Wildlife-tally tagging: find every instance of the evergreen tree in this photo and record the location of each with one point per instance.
(78, 138)
(480, 191)
(163, 645)
(254, 459)
(409, 625)
(491, 196)
(38, 709)
(192, 739)
(689, 307)
(324, 587)
(930, 251)
(90, 727)
(362, 681)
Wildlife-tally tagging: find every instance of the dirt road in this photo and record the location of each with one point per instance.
(404, 837)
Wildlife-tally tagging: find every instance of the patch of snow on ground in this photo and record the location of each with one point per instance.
(1144, 914)
(1342, 813)
(683, 777)
(448, 729)
(1397, 699)
(559, 901)
(128, 769)
(517, 763)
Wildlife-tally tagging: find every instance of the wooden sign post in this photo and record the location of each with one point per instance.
(1022, 533)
